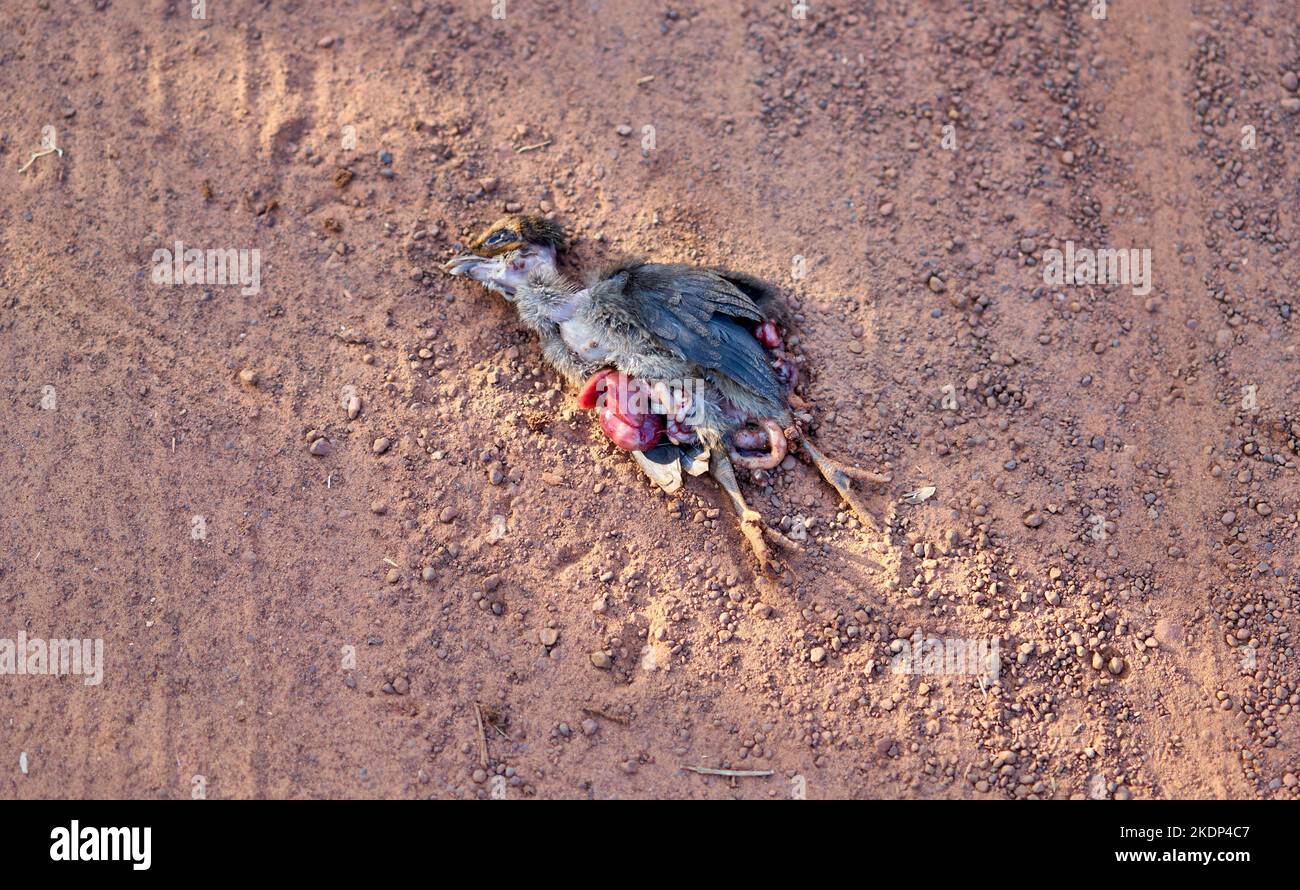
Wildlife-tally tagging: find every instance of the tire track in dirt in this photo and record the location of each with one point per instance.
(1246, 113)
(1185, 419)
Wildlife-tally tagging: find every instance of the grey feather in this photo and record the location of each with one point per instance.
(697, 315)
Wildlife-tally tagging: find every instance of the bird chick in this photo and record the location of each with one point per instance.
(684, 364)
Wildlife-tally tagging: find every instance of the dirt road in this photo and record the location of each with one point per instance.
(341, 534)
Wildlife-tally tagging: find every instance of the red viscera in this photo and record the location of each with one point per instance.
(681, 433)
(768, 334)
(622, 405)
(787, 372)
(637, 432)
(593, 388)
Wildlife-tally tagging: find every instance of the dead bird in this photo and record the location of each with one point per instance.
(685, 364)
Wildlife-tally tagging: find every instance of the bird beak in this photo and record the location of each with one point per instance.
(463, 264)
(487, 271)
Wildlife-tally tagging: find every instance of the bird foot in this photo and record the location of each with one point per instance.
(751, 522)
(841, 477)
(753, 532)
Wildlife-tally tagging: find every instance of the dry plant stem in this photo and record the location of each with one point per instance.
(40, 154)
(482, 736)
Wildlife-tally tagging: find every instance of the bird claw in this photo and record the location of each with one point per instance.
(753, 532)
(779, 539)
(840, 477)
(751, 521)
(861, 475)
(664, 465)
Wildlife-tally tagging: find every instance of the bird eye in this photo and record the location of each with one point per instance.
(498, 237)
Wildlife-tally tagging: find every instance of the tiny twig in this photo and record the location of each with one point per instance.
(523, 148)
(623, 721)
(482, 736)
(644, 80)
(40, 154)
(867, 475)
(734, 773)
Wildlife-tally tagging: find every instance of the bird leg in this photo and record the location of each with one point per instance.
(751, 522)
(840, 477)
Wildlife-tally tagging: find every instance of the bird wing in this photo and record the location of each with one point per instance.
(701, 317)
(663, 465)
(766, 298)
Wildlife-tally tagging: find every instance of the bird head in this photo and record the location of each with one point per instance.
(516, 231)
(502, 255)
